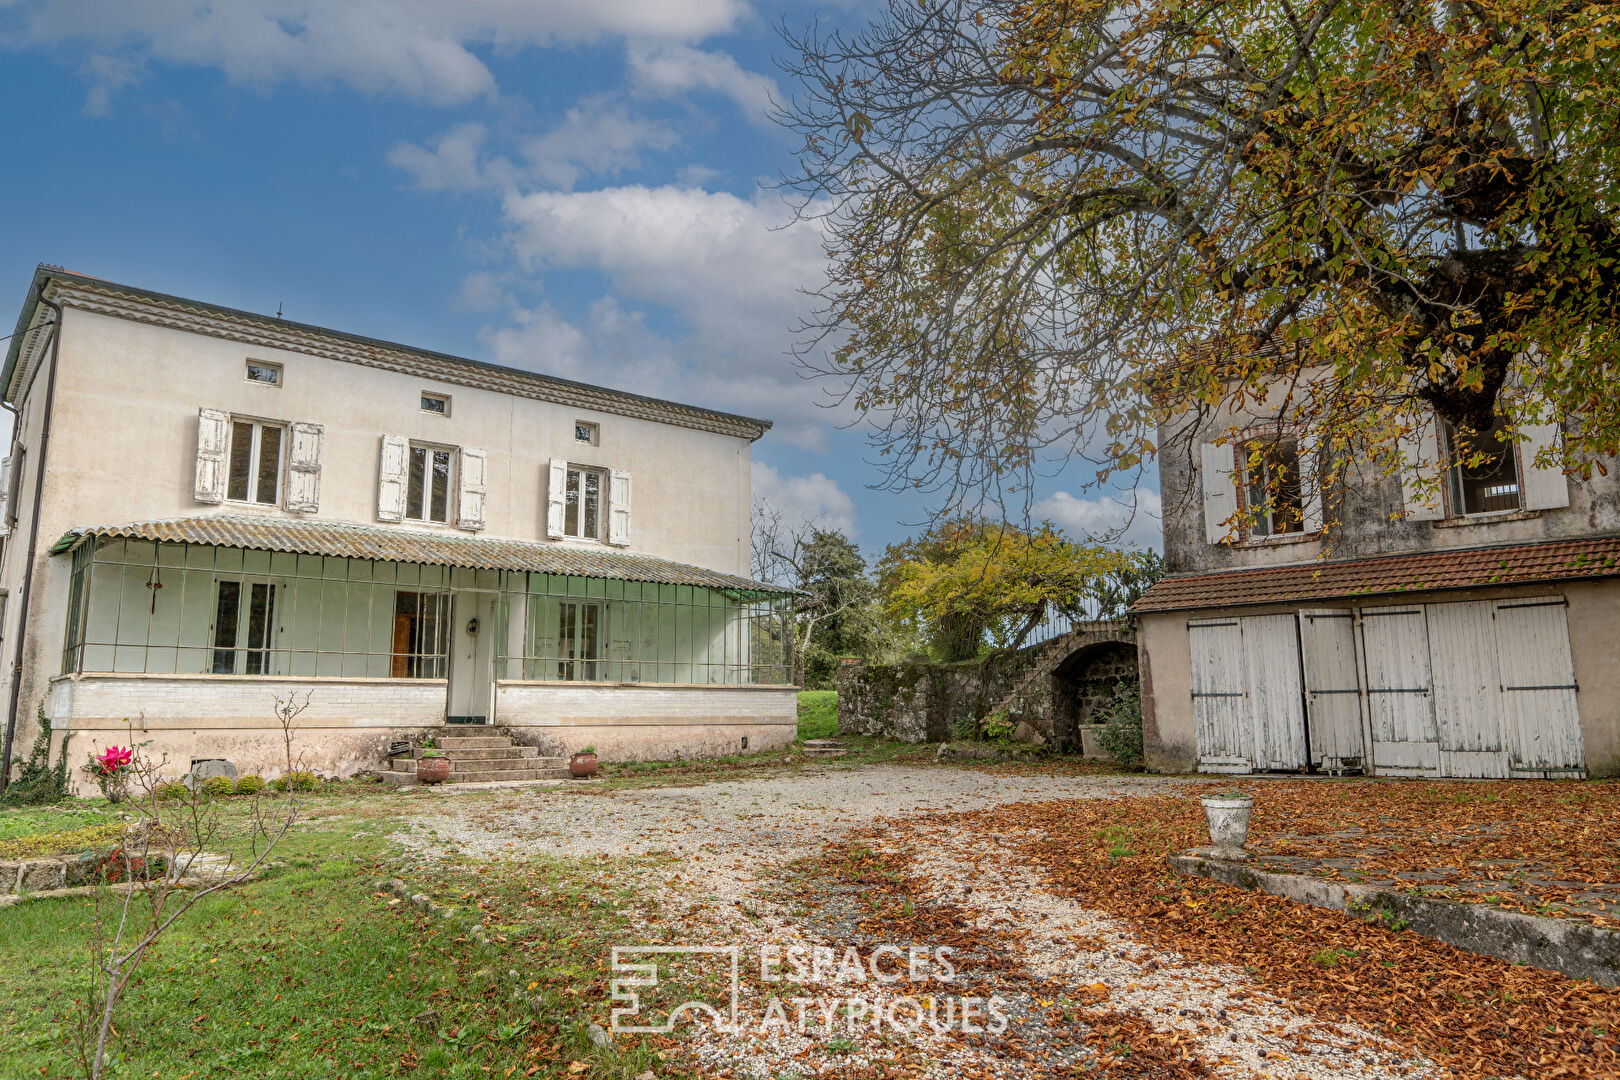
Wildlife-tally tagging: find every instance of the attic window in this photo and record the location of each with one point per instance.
(264, 372)
(585, 432)
(438, 404)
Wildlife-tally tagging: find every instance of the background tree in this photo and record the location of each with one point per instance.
(1036, 208)
(836, 612)
(971, 584)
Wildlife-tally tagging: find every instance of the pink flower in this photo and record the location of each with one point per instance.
(113, 760)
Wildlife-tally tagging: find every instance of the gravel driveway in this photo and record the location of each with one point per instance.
(733, 839)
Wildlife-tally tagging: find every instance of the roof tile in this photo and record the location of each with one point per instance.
(1557, 560)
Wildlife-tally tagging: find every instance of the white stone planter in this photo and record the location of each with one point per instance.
(1228, 817)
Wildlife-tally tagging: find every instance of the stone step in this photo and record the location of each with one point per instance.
(470, 742)
(495, 766)
(487, 754)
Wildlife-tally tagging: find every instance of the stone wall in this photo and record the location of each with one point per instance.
(1056, 687)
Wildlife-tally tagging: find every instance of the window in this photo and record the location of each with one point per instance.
(419, 634)
(427, 490)
(244, 627)
(255, 462)
(264, 372)
(585, 432)
(438, 404)
(583, 514)
(1272, 487)
(579, 641)
(1492, 485)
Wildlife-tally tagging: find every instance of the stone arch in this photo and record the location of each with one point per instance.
(1086, 680)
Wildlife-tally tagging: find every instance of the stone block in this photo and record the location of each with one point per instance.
(45, 874)
(8, 877)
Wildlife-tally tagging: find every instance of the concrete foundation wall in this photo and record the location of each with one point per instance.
(645, 722)
(346, 728)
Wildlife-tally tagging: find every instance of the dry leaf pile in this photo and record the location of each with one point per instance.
(1474, 1016)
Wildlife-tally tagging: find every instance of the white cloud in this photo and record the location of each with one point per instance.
(1104, 516)
(596, 137)
(450, 165)
(667, 69)
(724, 269)
(814, 499)
(418, 49)
(107, 75)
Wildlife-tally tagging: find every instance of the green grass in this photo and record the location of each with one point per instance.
(309, 973)
(41, 820)
(818, 714)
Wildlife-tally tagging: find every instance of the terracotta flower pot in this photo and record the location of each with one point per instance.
(582, 765)
(432, 770)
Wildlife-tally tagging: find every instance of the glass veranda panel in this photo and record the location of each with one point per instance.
(164, 609)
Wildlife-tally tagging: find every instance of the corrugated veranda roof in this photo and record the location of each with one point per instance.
(1429, 571)
(411, 546)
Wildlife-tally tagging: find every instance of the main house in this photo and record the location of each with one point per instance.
(1461, 624)
(207, 509)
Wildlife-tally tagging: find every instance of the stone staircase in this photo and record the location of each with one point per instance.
(480, 754)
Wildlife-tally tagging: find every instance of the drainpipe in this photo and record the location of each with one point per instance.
(33, 541)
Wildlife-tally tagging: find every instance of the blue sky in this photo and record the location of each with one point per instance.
(576, 188)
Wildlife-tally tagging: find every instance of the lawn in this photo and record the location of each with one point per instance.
(818, 714)
(312, 972)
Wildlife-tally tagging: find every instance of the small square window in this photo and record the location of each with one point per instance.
(264, 372)
(584, 432)
(438, 404)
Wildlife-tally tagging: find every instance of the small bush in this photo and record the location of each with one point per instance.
(38, 781)
(297, 780)
(249, 784)
(1121, 736)
(217, 786)
(171, 791)
(999, 726)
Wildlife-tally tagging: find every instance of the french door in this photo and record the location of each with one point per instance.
(244, 627)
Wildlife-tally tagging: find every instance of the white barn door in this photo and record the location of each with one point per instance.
(1219, 696)
(1541, 724)
(1327, 646)
(1400, 709)
(1467, 689)
(1275, 692)
(1247, 694)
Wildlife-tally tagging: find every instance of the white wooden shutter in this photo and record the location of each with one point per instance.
(556, 498)
(1220, 490)
(1543, 488)
(1420, 460)
(391, 478)
(619, 509)
(304, 467)
(213, 440)
(474, 488)
(5, 498)
(13, 479)
(1310, 483)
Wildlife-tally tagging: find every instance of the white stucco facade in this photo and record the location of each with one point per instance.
(116, 400)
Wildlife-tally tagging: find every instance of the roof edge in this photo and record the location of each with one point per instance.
(1575, 573)
(44, 275)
